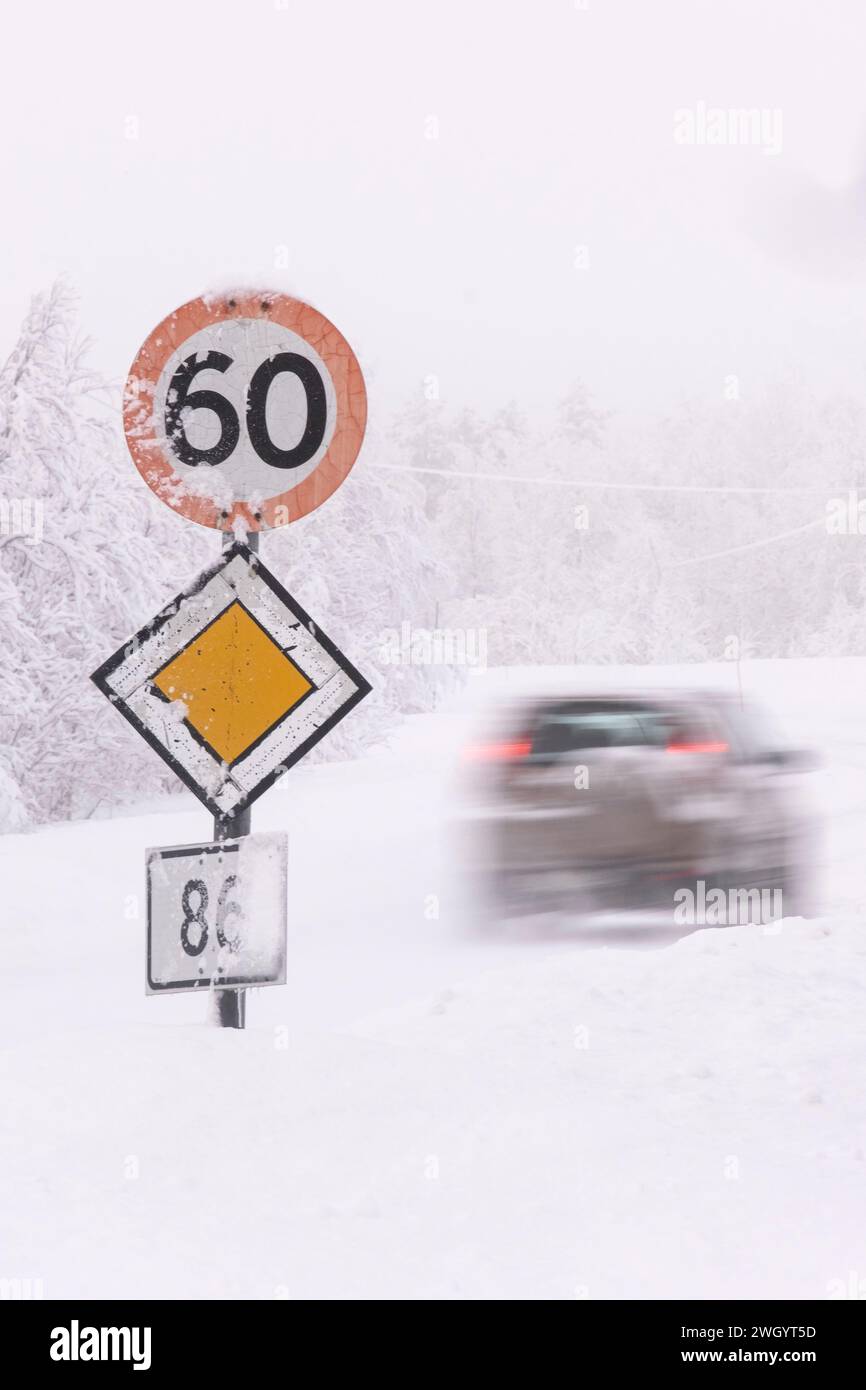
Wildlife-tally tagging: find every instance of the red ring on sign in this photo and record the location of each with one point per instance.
(147, 448)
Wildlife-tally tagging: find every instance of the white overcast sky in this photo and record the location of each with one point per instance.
(270, 130)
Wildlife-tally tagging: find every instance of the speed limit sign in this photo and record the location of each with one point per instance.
(248, 407)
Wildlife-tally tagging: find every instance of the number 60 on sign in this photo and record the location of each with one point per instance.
(216, 914)
(245, 408)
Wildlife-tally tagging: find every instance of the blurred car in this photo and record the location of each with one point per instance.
(611, 802)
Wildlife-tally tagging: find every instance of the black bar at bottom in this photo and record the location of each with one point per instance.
(646, 1336)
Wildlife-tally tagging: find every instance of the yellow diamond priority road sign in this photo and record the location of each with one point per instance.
(232, 683)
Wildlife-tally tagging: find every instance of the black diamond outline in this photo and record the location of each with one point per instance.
(101, 676)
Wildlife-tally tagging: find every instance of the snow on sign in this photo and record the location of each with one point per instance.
(232, 683)
(216, 914)
(245, 408)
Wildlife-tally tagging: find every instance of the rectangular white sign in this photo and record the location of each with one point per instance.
(216, 914)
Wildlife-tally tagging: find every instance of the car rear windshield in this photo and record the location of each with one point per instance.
(577, 727)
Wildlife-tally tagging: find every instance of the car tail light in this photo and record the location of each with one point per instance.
(708, 747)
(506, 752)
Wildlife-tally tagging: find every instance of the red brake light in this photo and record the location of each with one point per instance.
(499, 752)
(697, 748)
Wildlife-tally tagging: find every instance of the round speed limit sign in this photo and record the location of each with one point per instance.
(246, 407)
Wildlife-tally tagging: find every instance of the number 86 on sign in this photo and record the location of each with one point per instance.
(194, 941)
(216, 914)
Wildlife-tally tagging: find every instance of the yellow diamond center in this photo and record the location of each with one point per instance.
(234, 681)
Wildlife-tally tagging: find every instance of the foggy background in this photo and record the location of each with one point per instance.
(429, 175)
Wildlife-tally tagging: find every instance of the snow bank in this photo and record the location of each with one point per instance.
(689, 1121)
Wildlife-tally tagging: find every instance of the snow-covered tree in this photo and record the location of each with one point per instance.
(662, 571)
(83, 552)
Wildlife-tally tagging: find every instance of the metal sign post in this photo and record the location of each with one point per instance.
(242, 412)
(230, 1005)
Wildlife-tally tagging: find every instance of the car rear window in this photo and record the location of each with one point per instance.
(573, 728)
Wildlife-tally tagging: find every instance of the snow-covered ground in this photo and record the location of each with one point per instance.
(419, 1115)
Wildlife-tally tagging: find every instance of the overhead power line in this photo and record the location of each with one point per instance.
(535, 478)
(749, 545)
